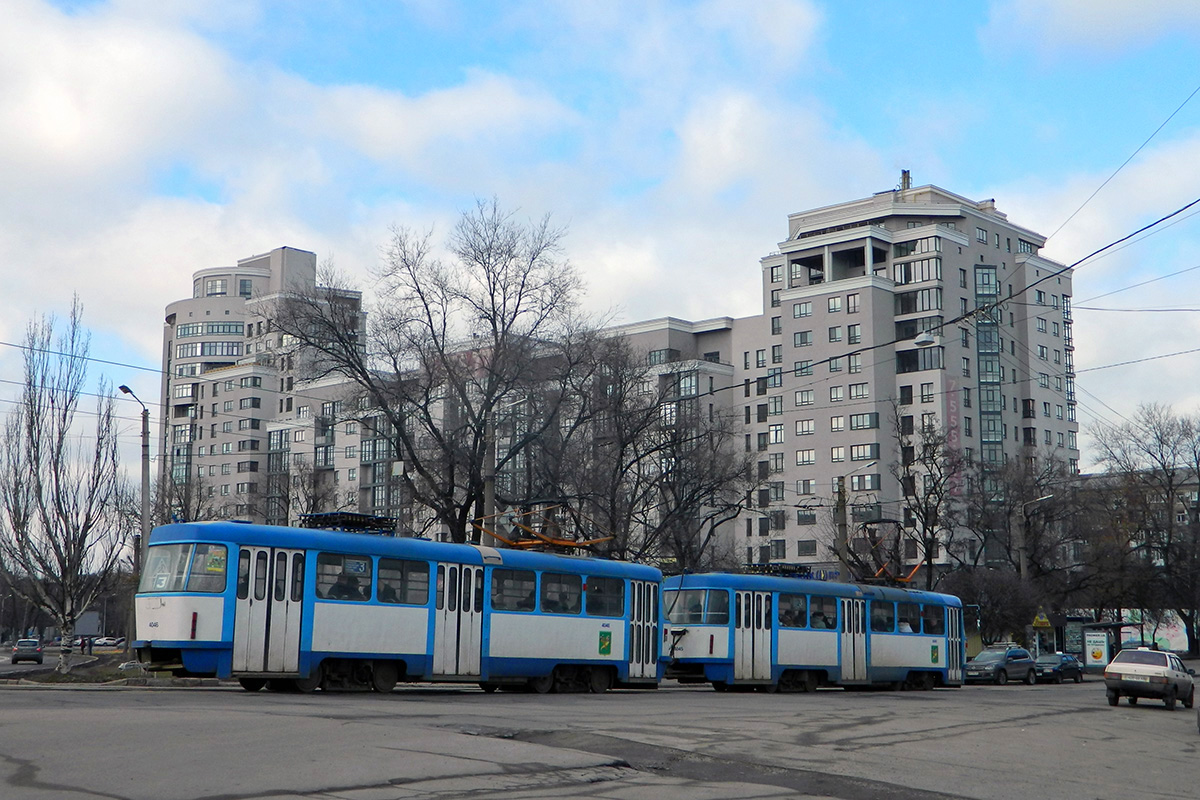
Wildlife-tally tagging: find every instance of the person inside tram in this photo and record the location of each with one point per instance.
(345, 588)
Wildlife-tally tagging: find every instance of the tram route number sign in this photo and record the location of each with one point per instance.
(605, 643)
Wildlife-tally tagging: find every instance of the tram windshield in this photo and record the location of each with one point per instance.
(185, 568)
(697, 606)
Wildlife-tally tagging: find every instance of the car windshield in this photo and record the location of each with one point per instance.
(1049, 659)
(989, 656)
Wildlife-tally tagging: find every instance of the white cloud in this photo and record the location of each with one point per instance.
(1069, 28)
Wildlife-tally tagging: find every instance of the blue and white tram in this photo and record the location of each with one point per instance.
(798, 634)
(309, 608)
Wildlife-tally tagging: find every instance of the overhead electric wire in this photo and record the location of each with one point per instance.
(1126, 162)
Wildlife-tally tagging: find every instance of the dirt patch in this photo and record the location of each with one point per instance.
(100, 668)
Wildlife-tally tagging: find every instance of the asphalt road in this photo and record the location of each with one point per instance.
(433, 742)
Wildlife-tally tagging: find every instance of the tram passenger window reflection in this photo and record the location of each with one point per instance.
(883, 616)
(792, 611)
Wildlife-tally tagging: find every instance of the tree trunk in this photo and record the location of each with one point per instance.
(67, 629)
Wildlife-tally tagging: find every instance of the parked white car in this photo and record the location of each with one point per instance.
(1143, 672)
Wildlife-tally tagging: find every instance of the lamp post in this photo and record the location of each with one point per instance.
(1022, 552)
(144, 535)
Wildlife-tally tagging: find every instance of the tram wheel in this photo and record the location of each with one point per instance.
(720, 686)
(542, 685)
(279, 685)
(488, 686)
(768, 688)
(313, 682)
(252, 684)
(383, 676)
(600, 680)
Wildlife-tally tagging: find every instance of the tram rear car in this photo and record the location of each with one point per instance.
(295, 608)
(786, 633)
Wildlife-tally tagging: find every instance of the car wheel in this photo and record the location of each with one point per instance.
(13, 661)
(1030, 678)
(1001, 678)
(1169, 700)
(1079, 677)
(1113, 699)
(1190, 699)
(1058, 678)
(1132, 701)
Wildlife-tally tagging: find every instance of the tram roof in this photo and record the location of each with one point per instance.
(239, 533)
(776, 583)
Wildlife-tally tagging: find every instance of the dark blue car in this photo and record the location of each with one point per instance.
(1057, 667)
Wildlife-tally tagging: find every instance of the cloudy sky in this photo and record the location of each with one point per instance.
(141, 140)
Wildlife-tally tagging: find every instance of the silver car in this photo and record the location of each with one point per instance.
(1143, 672)
(27, 650)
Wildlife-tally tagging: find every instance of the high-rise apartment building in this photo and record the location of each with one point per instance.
(914, 307)
(234, 390)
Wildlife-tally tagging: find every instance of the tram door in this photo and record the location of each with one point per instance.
(266, 628)
(643, 629)
(458, 620)
(752, 636)
(954, 643)
(854, 639)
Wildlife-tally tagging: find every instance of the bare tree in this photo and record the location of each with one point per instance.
(61, 530)
(449, 344)
(932, 474)
(1156, 456)
(651, 462)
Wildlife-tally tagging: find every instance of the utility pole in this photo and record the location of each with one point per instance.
(842, 544)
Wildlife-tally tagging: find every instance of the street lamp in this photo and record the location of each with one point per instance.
(144, 536)
(1022, 554)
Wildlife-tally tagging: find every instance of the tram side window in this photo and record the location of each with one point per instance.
(883, 616)
(297, 577)
(717, 609)
(513, 589)
(605, 597)
(935, 619)
(342, 577)
(822, 613)
(208, 568)
(404, 582)
(793, 612)
(561, 593)
(910, 618)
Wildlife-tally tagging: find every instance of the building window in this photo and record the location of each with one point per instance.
(802, 338)
(864, 452)
(774, 298)
(776, 434)
(776, 273)
(804, 397)
(837, 424)
(859, 391)
(966, 367)
(801, 310)
(835, 333)
(837, 394)
(860, 422)
(837, 453)
(906, 395)
(775, 405)
(775, 461)
(981, 235)
(245, 286)
(805, 427)
(926, 392)
(835, 364)
(806, 486)
(852, 303)
(835, 304)
(806, 457)
(776, 326)
(865, 483)
(804, 368)
(776, 354)
(855, 363)
(216, 287)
